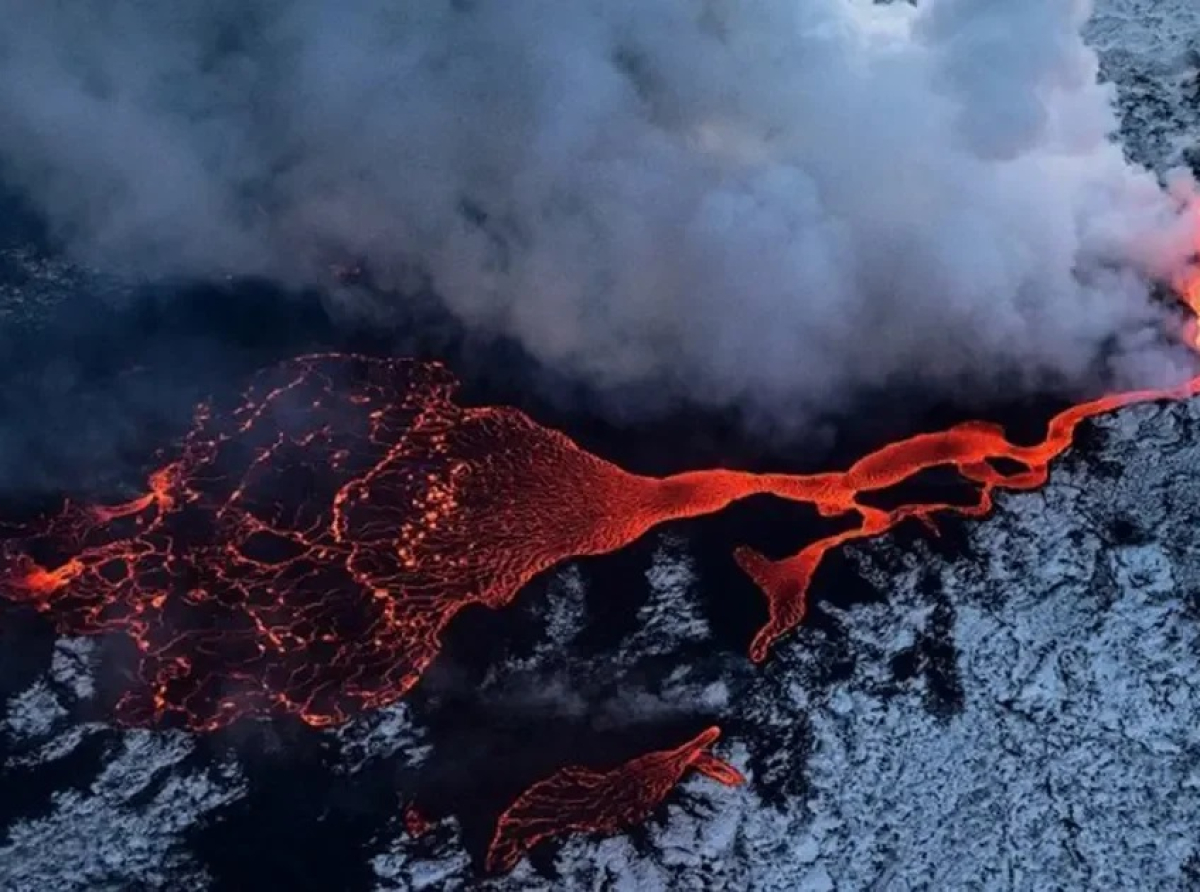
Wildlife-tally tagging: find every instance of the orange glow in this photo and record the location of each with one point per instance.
(305, 550)
(579, 799)
(1187, 287)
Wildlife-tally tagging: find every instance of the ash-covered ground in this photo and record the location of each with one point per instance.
(1013, 705)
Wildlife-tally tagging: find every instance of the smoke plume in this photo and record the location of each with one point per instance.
(771, 204)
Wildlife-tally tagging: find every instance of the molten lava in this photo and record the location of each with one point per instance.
(582, 800)
(970, 447)
(304, 551)
(1187, 287)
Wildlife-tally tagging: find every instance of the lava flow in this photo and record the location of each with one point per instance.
(970, 447)
(304, 551)
(579, 799)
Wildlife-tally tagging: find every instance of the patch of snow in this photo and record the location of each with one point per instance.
(1151, 50)
(32, 713)
(125, 830)
(388, 733)
(435, 861)
(71, 666)
(671, 615)
(565, 609)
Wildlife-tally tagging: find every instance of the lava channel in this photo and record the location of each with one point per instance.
(971, 448)
(577, 799)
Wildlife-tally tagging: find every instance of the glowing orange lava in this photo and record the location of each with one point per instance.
(1187, 287)
(968, 447)
(579, 799)
(304, 551)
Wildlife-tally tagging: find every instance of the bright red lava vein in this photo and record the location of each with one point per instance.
(577, 799)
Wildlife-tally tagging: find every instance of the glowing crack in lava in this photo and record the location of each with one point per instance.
(579, 799)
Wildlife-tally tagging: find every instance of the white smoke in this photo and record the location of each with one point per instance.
(773, 204)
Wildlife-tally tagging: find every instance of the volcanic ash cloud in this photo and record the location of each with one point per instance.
(774, 205)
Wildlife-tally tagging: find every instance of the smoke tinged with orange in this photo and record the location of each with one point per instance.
(1187, 286)
(579, 799)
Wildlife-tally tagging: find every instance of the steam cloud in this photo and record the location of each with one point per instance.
(770, 204)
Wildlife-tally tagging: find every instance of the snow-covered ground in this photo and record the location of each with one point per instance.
(1151, 49)
(121, 828)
